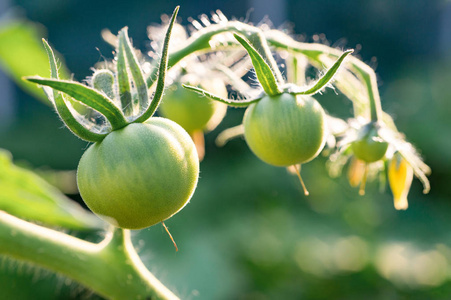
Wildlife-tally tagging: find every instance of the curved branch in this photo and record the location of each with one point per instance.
(111, 268)
(200, 41)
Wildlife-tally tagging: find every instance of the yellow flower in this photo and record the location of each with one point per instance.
(356, 171)
(400, 176)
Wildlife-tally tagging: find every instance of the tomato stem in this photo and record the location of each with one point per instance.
(319, 54)
(200, 42)
(111, 268)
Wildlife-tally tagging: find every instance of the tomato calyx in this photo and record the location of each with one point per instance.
(128, 104)
(268, 82)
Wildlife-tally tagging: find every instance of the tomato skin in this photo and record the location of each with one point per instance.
(284, 130)
(369, 147)
(192, 111)
(139, 175)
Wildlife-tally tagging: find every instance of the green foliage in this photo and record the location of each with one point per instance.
(26, 195)
(21, 54)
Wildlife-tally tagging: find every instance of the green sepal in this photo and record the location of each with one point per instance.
(61, 106)
(87, 96)
(123, 82)
(230, 102)
(420, 169)
(161, 74)
(324, 80)
(264, 73)
(133, 67)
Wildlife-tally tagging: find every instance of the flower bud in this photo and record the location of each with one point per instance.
(356, 171)
(103, 80)
(400, 176)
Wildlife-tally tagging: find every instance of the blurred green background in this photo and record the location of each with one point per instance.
(249, 232)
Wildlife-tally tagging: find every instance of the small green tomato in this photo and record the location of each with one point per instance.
(286, 129)
(369, 146)
(192, 111)
(139, 175)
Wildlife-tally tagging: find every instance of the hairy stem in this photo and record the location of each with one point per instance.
(111, 268)
(201, 42)
(314, 52)
(317, 54)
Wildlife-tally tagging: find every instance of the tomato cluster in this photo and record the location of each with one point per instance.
(141, 170)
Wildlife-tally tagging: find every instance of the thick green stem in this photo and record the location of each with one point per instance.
(369, 77)
(201, 42)
(111, 268)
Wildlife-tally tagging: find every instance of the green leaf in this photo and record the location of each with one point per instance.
(134, 68)
(21, 54)
(28, 196)
(61, 106)
(235, 103)
(325, 79)
(87, 96)
(161, 73)
(264, 73)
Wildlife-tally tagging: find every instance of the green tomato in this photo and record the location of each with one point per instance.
(192, 111)
(284, 130)
(139, 175)
(369, 147)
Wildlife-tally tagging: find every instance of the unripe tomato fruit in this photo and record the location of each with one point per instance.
(369, 147)
(192, 111)
(139, 175)
(286, 129)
